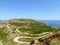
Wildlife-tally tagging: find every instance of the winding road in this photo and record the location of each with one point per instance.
(16, 39)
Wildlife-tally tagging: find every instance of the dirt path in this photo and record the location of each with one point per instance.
(16, 39)
(21, 27)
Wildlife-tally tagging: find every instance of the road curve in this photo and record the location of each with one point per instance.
(17, 39)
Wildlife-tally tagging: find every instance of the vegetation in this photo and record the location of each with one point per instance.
(28, 28)
(3, 34)
(38, 27)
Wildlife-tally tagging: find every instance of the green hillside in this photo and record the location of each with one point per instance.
(34, 26)
(25, 29)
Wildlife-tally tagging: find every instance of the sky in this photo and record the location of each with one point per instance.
(32, 9)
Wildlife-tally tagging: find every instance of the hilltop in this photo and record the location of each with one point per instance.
(22, 31)
(33, 26)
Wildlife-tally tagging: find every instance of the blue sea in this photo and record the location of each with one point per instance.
(3, 20)
(53, 23)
